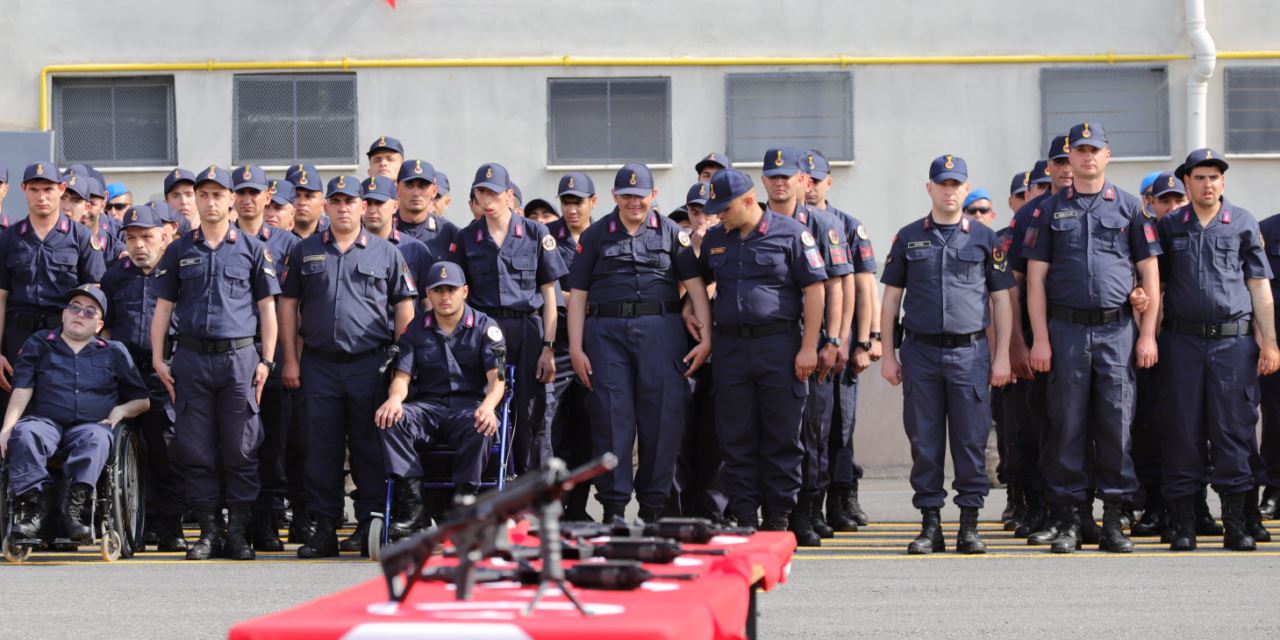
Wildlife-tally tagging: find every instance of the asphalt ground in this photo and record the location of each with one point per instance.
(858, 585)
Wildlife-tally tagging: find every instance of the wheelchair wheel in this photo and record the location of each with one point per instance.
(375, 537)
(128, 506)
(112, 546)
(13, 552)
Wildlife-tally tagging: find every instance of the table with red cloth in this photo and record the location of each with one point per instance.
(719, 603)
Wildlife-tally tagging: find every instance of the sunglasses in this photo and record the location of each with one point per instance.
(118, 206)
(978, 210)
(84, 312)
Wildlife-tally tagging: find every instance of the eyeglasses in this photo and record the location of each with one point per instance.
(118, 206)
(976, 210)
(83, 311)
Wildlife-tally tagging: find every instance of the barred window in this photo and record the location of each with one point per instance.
(115, 121)
(1131, 103)
(608, 120)
(1252, 105)
(803, 110)
(283, 118)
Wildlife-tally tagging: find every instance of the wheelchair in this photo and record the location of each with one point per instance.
(437, 464)
(117, 509)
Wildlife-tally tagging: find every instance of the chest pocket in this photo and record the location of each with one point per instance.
(22, 261)
(481, 262)
(1065, 229)
(99, 372)
(656, 253)
(63, 261)
(371, 278)
(236, 281)
(315, 267)
(523, 267)
(769, 265)
(1110, 233)
(967, 267)
(1226, 254)
(618, 253)
(717, 262)
(190, 271)
(1273, 248)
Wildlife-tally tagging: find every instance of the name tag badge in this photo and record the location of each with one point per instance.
(920, 244)
(185, 262)
(315, 258)
(1063, 214)
(715, 251)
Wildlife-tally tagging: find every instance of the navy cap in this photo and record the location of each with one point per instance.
(576, 183)
(817, 165)
(784, 161)
(282, 192)
(492, 176)
(344, 185)
(1088, 133)
(305, 177)
(519, 196)
(445, 273)
(165, 212)
(713, 158)
(4, 172)
(726, 186)
(83, 169)
(250, 176)
(1201, 158)
(1021, 180)
(679, 214)
(697, 195)
(948, 167)
(216, 174)
(46, 171)
(539, 203)
(1167, 183)
(416, 170)
(385, 143)
(95, 188)
(1040, 173)
(1058, 148)
(378, 189)
(176, 176)
(442, 183)
(633, 179)
(141, 217)
(92, 291)
(79, 185)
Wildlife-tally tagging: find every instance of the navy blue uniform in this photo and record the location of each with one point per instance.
(948, 273)
(634, 337)
(1025, 400)
(415, 253)
(437, 233)
(1091, 243)
(1270, 385)
(111, 245)
(72, 393)
(504, 284)
(215, 292)
(450, 375)
(1209, 350)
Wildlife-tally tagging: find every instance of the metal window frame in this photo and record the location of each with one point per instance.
(353, 159)
(1227, 72)
(847, 155)
(1162, 110)
(111, 83)
(610, 159)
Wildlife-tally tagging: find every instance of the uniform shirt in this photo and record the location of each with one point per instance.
(111, 246)
(760, 276)
(415, 254)
(279, 242)
(1270, 230)
(826, 231)
(72, 388)
(132, 293)
(615, 266)
(451, 366)
(109, 225)
(567, 247)
(947, 279)
(437, 233)
(1018, 230)
(215, 291)
(508, 276)
(861, 256)
(1204, 268)
(344, 298)
(1091, 244)
(37, 273)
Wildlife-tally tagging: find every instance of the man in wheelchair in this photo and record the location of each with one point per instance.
(70, 388)
(453, 356)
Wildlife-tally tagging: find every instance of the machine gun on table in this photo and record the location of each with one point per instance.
(683, 530)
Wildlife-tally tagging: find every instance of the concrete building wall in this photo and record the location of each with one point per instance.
(458, 118)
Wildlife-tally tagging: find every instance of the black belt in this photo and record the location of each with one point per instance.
(213, 346)
(342, 357)
(1210, 330)
(755, 330)
(34, 321)
(946, 340)
(1085, 316)
(632, 309)
(502, 312)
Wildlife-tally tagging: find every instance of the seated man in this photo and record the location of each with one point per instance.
(77, 387)
(454, 352)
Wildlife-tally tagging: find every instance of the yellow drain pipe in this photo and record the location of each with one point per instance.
(347, 64)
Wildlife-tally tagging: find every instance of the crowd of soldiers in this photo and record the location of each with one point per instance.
(724, 339)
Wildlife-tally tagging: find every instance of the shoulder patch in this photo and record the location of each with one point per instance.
(266, 254)
(807, 238)
(862, 232)
(683, 238)
(494, 333)
(548, 243)
(833, 236)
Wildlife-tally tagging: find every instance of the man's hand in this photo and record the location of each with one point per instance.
(1139, 300)
(389, 413)
(486, 420)
(691, 323)
(291, 375)
(114, 417)
(162, 371)
(546, 366)
(1268, 360)
(6, 372)
(891, 371)
(877, 350)
(581, 367)
(842, 358)
(696, 357)
(4, 442)
(1000, 372)
(862, 359)
(260, 374)
(826, 360)
(806, 362)
(1148, 354)
(1020, 360)
(1041, 356)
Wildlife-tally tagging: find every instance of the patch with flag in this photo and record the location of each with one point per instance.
(1029, 240)
(408, 277)
(1150, 231)
(815, 259)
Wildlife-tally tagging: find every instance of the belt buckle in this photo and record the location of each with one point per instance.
(628, 309)
(1212, 331)
(948, 341)
(745, 331)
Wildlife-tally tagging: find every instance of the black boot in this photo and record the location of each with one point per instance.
(1090, 532)
(1183, 525)
(930, 538)
(1253, 518)
(357, 541)
(1113, 538)
(1270, 500)
(29, 513)
(301, 526)
(323, 543)
(802, 522)
(747, 517)
(816, 521)
(775, 520)
(1155, 515)
(649, 514)
(1018, 504)
(210, 543)
(1068, 526)
(266, 536)
(1235, 537)
(1205, 524)
(613, 513)
(967, 540)
(1036, 518)
(836, 516)
(237, 546)
(75, 512)
(1013, 498)
(168, 529)
(410, 510)
(852, 508)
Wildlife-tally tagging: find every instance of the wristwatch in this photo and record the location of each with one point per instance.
(547, 344)
(865, 346)
(875, 335)
(271, 366)
(835, 342)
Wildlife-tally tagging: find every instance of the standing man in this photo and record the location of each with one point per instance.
(180, 195)
(279, 211)
(1082, 250)
(1219, 335)
(949, 269)
(380, 204)
(119, 199)
(708, 166)
(416, 191)
(1270, 387)
(626, 341)
(221, 284)
(386, 154)
(440, 204)
(308, 200)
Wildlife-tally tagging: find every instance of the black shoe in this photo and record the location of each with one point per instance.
(1235, 537)
(649, 514)
(410, 512)
(266, 537)
(1013, 498)
(1270, 500)
(1068, 526)
(613, 513)
(149, 536)
(836, 516)
(967, 540)
(802, 523)
(1205, 524)
(1036, 517)
(357, 541)
(1182, 527)
(816, 521)
(775, 520)
(747, 518)
(209, 545)
(1017, 507)
(1253, 518)
(168, 528)
(237, 545)
(323, 543)
(930, 538)
(1155, 515)
(852, 508)
(1113, 538)
(1090, 532)
(301, 525)
(29, 513)
(75, 512)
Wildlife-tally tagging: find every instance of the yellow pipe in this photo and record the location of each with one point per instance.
(347, 64)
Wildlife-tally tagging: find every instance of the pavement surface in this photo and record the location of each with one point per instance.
(859, 585)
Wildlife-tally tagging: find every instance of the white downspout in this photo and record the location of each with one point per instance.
(1206, 57)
